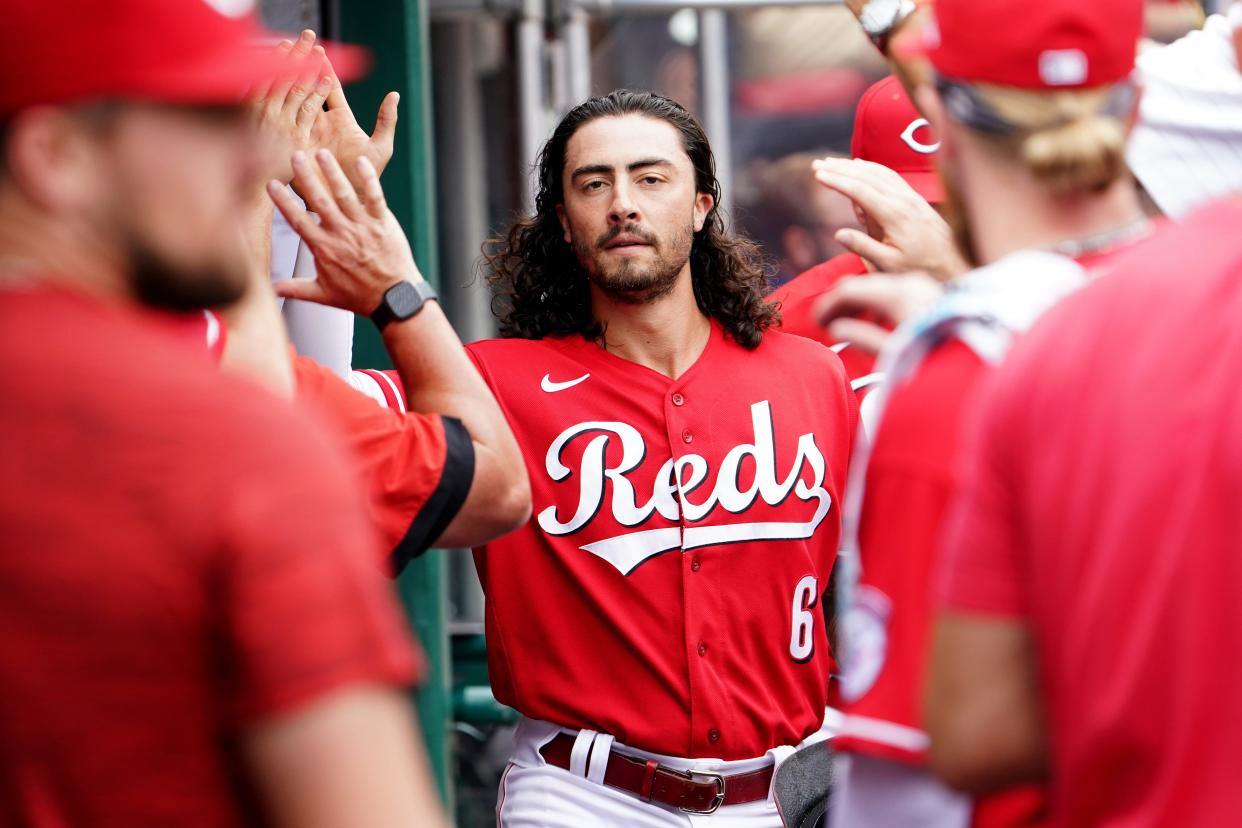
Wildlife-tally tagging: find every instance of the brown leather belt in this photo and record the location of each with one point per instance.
(692, 791)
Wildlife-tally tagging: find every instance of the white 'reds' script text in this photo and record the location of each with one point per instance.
(674, 482)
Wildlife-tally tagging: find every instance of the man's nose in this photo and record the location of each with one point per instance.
(623, 208)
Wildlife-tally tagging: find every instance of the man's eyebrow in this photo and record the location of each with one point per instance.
(604, 169)
(592, 169)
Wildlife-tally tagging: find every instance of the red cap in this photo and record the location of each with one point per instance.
(888, 130)
(174, 51)
(1035, 44)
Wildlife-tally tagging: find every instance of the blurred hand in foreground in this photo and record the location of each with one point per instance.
(886, 299)
(904, 232)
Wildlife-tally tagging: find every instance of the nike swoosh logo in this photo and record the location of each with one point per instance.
(552, 387)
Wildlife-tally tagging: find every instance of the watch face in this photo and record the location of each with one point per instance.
(878, 16)
(403, 300)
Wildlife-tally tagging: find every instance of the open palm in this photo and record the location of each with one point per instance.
(337, 130)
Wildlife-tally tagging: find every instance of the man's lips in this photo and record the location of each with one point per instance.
(624, 241)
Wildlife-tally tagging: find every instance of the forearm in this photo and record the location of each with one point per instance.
(256, 347)
(984, 713)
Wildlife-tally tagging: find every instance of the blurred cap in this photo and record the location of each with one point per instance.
(1184, 148)
(889, 131)
(169, 51)
(1034, 44)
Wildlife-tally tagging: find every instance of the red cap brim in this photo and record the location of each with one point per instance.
(925, 183)
(227, 76)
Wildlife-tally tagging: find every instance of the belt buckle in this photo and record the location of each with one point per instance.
(705, 776)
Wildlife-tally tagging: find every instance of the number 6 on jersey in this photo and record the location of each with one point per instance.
(802, 638)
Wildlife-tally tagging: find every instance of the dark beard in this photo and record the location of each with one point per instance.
(161, 284)
(629, 282)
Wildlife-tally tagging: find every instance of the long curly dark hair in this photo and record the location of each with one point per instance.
(539, 287)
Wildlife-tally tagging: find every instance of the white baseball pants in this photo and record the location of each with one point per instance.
(534, 794)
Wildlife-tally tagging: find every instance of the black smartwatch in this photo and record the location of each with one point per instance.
(401, 301)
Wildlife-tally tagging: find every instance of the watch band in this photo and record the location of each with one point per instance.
(402, 301)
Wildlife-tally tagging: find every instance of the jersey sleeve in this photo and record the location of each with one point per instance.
(417, 468)
(981, 547)
(303, 607)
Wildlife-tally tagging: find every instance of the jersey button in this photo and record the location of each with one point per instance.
(678, 399)
(687, 437)
(702, 649)
(713, 735)
(695, 565)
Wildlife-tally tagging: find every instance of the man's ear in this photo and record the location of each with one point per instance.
(703, 203)
(799, 247)
(52, 160)
(560, 215)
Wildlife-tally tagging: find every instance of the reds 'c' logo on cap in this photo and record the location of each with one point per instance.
(908, 136)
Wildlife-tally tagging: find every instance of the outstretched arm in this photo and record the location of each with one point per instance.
(361, 251)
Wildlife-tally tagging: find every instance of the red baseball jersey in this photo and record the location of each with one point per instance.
(1111, 526)
(798, 297)
(667, 589)
(182, 558)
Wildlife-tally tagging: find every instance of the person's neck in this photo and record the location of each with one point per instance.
(36, 248)
(666, 335)
(1014, 213)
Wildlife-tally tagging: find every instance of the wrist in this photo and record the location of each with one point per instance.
(401, 301)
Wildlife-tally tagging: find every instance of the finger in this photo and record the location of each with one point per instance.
(304, 85)
(299, 219)
(310, 186)
(308, 290)
(386, 120)
(372, 193)
(861, 334)
(861, 191)
(336, 97)
(313, 105)
(305, 41)
(298, 52)
(855, 295)
(258, 95)
(342, 191)
(885, 257)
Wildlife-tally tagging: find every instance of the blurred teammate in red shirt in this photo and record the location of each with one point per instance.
(1032, 103)
(1090, 599)
(193, 626)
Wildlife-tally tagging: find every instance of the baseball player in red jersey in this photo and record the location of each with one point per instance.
(1032, 104)
(659, 621)
(1095, 545)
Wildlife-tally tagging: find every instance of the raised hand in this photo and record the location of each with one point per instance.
(286, 112)
(337, 131)
(359, 247)
(905, 232)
